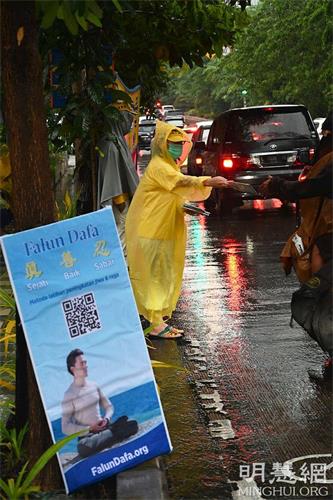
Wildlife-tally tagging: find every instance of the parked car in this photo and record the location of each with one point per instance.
(194, 163)
(166, 108)
(190, 129)
(146, 133)
(173, 112)
(142, 118)
(249, 144)
(318, 123)
(204, 123)
(176, 121)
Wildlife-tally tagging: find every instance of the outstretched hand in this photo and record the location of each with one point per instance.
(217, 182)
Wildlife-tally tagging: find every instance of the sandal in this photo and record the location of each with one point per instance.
(177, 330)
(168, 333)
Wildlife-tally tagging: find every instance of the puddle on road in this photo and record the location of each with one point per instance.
(235, 308)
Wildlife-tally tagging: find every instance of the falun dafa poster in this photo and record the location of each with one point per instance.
(87, 347)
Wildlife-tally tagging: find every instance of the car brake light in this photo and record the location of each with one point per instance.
(269, 109)
(198, 161)
(191, 129)
(311, 153)
(234, 161)
(227, 163)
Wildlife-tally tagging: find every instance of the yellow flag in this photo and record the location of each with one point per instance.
(134, 93)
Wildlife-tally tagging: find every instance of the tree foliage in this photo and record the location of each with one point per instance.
(172, 31)
(74, 13)
(283, 56)
(139, 37)
(144, 34)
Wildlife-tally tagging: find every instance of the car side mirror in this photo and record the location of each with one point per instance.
(199, 146)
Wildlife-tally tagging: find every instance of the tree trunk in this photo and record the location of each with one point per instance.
(93, 166)
(32, 196)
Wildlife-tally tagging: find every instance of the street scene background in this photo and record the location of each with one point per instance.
(250, 371)
(243, 391)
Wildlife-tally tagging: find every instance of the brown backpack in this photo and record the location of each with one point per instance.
(317, 218)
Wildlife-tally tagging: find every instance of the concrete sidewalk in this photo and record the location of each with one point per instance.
(146, 482)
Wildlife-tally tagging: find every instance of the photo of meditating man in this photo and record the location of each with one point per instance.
(86, 407)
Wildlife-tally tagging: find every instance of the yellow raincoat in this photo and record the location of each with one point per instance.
(156, 230)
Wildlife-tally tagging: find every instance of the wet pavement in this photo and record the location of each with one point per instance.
(251, 398)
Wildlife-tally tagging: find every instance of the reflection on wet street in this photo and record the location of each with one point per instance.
(243, 358)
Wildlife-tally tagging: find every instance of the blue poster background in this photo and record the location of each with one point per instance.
(72, 290)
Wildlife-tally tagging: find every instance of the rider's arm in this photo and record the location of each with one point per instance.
(309, 188)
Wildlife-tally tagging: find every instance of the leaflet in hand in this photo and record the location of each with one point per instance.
(189, 207)
(243, 187)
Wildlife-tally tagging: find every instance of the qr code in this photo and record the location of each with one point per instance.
(81, 314)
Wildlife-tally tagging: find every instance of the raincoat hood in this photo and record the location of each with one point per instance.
(160, 143)
(116, 170)
(122, 126)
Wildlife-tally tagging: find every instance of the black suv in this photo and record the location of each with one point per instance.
(249, 144)
(146, 133)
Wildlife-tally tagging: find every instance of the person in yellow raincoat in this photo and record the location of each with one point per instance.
(156, 230)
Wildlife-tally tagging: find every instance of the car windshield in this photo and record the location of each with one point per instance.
(174, 112)
(146, 128)
(265, 125)
(175, 122)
